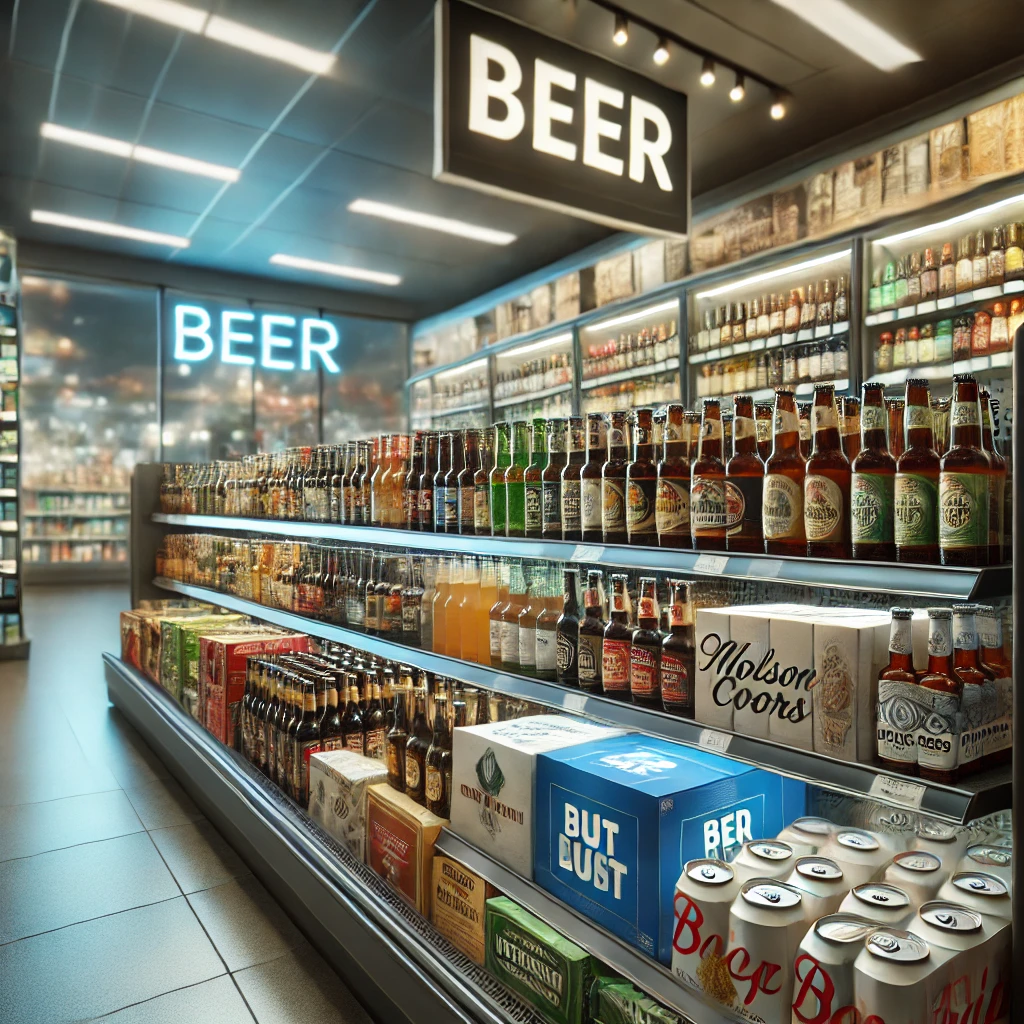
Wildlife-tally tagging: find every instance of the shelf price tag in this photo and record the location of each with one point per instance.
(587, 553)
(712, 739)
(713, 565)
(897, 791)
(928, 306)
(574, 703)
(949, 301)
(906, 312)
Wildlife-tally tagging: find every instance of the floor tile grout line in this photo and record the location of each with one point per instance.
(72, 846)
(149, 999)
(238, 989)
(69, 796)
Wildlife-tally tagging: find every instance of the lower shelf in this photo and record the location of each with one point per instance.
(400, 967)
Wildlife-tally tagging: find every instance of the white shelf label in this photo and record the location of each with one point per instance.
(789, 337)
(842, 327)
(697, 357)
(758, 343)
(725, 350)
(712, 739)
(991, 292)
(711, 564)
(770, 567)
(897, 791)
(823, 331)
(587, 553)
(1001, 359)
(906, 312)
(885, 316)
(805, 335)
(871, 319)
(741, 347)
(1011, 287)
(928, 306)
(946, 303)
(574, 703)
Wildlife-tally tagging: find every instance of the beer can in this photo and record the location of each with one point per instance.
(860, 854)
(704, 893)
(891, 975)
(766, 923)
(984, 893)
(823, 969)
(947, 842)
(807, 835)
(884, 904)
(822, 883)
(763, 858)
(992, 860)
(917, 873)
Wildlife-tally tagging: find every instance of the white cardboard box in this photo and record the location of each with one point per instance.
(752, 695)
(713, 645)
(792, 639)
(338, 782)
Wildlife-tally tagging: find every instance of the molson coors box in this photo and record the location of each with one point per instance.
(617, 819)
(458, 906)
(539, 964)
(492, 781)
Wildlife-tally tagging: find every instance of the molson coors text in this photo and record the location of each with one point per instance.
(492, 781)
(616, 820)
(823, 970)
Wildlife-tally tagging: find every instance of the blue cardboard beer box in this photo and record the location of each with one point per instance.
(615, 820)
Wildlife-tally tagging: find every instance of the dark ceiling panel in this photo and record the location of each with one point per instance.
(198, 135)
(39, 27)
(396, 135)
(94, 108)
(158, 186)
(327, 111)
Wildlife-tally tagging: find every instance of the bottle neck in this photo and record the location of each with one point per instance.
(787, 428)
(825, 423)
(965, 420)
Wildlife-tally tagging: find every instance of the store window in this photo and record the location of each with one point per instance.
(89, 413)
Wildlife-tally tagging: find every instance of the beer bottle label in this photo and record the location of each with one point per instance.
(672, 507)
(640, 507)
(527, 646)
(337, 743)
(394, 761)
(564, 654)
(744, 497)
(546, 648)
(871, 505)
(413, 774)
(786, 422)
(590, 660)
(482, 507)
(763, 426)
(534, 507)
(973, 715)
(963, 510)
(643, 672)
(899, 713)
(451, 507)
(823, 509)
(495, 630)
(411, 616)
(435, 784)
(707, 505)
(374, 741)
(309, 748)
(782, 508)
(613, 506)
(916, 416)
(914, 510)
(509, 642)
(467, 508)
(675, 680)
(938, 740)
(355, 741)
(438, 506)
(551, 496)
(590, 504)
(570, 498)
(615, 665)
(965, 414)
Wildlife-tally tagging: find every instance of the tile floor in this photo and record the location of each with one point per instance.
(118, 901)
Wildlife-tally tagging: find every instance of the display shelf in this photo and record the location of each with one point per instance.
(665, 366)
(8, 492)
(832, 333)
(35, 513)
(946, 370)
(941, 308)
(10, 416)
(981, 795)
(955, 584)
(647, 974)
(532, 396)
(8, 457)
(8, 526)
(92, 538)
(472, 407)
(15, 652)
(76, 572)
(401, 967)
(68, 489)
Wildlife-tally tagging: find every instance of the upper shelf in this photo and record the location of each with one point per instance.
(933, 581)
(947, 306)
(665, 366)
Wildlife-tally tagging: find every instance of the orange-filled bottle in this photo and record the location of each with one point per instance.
(468, 609)
(452, 623)
(488, 595)
(442, 590)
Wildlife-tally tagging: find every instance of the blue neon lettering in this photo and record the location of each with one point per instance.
(321, 348)
(229, 336)
(199, 329)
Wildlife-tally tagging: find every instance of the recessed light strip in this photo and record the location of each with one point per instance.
(107, 227)
(662, 307)
(431, 221)
(465, 367)
(770, 275)
(942, 224)
(556, 339)
(336, 269)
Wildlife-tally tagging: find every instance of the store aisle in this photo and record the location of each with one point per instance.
(118, 900)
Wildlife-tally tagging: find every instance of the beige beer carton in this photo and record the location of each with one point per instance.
(339, 781)
(713, 650)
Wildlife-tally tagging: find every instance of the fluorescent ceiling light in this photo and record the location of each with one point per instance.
(557, 339)
(942, 224)
(628, 317)
(428, 220)
(117, 147)
(335, 269)
(772, 274)
(849, 28)
(232, 33)
(464, 368)
(108, 227)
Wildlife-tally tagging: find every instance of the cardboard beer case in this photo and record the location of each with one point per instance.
(458, 906)
(339, 781)
(171, 641)
(492, 781)
(713, 644)
(616, 820)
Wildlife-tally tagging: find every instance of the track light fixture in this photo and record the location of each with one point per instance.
(778, 110)
(707, 73)
(739, 90)
(660, 55)
(621, 34)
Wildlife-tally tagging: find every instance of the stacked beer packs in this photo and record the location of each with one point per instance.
(339, 782)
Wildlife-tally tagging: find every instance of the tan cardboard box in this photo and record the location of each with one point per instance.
(457, 906)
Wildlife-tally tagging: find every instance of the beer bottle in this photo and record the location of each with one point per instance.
(397, 738)
(616, 642)
(412, 605)
(851, 427)
(763, 416)
(466, 484)
(458, 719)
(917, 482)
(964, 482)
(613, 482)
(456, 464)
(896, 705)
(374, 732)
(672, 503)
(996, 483)
(804, 408)
(707, 483)
(336, 497)
(332, 732)
(645, 648)
(567, 633)
(463, 643)
(783, 507)
(307, 743)
(571, 508)
(547, 626)
(494, 616)
(873, 483)
(527, 620)
(482, 488)
(441, 470)
(515, 485)
(424, 521)
(416, 747)
(967, 669)
(995, 662)
(502, 461)
(939, 696)
(827, 483)
(641, 484)
(678, 654)
(288, 720)
(744, 482)
(533, 483)
(438, 795)
(551, 481)
(383, 461)
(591, 633)
(510, 618)
(352, 720)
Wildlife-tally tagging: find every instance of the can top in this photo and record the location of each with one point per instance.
(844, 928)
(819, 867)
(878, 894)
(950, 917)
(770, 849)
(936, 831)
(994, 856)
(978, 882)
(766, 892)
(918, 860)
(813, 826)
(896, 944)
(854, 840)
(708, 871)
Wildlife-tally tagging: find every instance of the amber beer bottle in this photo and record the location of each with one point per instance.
(567, 633)
(678, 653)
(782, 513)
(411, 485)
(964, 482)
(613, 482)
(827, 482)
(591, 633)
(424, 520)
(466, 484)
(996, 483)
(590, 478)
(763, 416)
(917, 482)
(642, 484)
(397, 738)
(482, 488)
(744, 482)
(615, 645)
(707, 483)
(939, 699)
(672, 502)
(572, 528)
(551, 481)
(896, 720)
(645, 648)
(872, 483)
(806, 433)
(851, 427)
